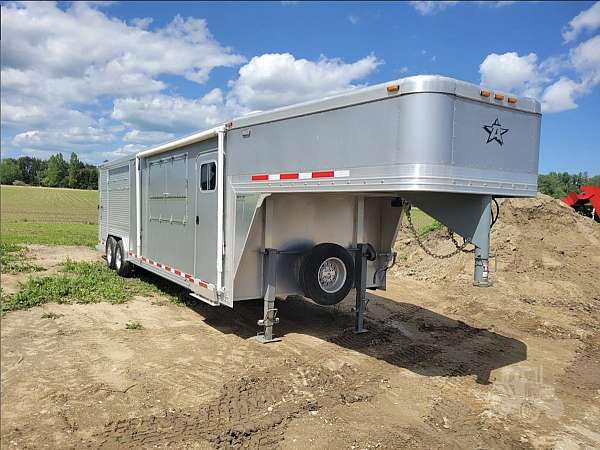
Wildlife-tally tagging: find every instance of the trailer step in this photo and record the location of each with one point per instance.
(204, 299)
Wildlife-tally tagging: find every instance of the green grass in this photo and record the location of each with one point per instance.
(51, 216)
(423, 223)
(433, 226)
(79, 282)
(51, 315)
(14, 260)
(133, 326)
(49, 233)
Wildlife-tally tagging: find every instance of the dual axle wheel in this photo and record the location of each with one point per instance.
(115, 257)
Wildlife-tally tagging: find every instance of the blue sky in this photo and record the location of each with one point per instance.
(109, 79)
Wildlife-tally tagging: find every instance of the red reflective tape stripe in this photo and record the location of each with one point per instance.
(323, 174)
(289, 176)
(260, 177)
(187, 276)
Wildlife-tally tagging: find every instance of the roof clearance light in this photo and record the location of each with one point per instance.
(499, 97)
(512, 100)
(392, 88)
(485, 93)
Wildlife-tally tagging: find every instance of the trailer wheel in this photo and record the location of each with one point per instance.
(327, 273)
(110, 252)
(122, 266)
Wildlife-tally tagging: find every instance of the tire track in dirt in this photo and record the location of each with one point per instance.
(251, 412)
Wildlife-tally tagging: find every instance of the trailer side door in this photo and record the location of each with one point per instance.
(205, 262)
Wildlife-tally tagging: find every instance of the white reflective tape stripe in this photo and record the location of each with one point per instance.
(273, 177)
(305, 175)
(341, 173)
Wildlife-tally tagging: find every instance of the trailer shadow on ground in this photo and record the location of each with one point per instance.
(402, 334)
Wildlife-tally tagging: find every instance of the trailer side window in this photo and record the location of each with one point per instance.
(208, 176)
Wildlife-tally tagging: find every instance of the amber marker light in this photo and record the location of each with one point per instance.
(484, 93)
(499, 97)
(393, 88)
(512, 100)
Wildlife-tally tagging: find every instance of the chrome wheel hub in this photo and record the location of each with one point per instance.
(331, 275)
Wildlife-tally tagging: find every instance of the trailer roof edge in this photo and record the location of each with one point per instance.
(404, 86)
(186, 140)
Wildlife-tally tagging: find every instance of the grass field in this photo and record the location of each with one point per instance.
(53, 216)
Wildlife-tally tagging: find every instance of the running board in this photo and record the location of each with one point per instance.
(204, 299)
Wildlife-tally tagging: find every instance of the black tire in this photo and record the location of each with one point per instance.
(327, 284)
(111, 247)
(122, 266)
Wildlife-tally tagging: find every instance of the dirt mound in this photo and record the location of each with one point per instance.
(530, 235)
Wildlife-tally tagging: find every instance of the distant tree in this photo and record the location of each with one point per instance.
(75, 167)
(9, 171)
(30, 170)
(57, 172)
(89, 177)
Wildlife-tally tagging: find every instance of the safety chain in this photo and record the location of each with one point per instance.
(459, 248)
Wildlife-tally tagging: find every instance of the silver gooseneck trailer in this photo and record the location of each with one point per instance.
(308, 199)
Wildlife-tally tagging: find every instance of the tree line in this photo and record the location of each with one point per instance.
(558, 184)
(55, 172)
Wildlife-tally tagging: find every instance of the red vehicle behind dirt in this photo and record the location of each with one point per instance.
(586, 203)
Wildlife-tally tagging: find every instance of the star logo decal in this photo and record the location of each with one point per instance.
(495, 132)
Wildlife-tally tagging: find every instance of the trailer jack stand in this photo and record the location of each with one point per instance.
(360, 283)
(269, 311)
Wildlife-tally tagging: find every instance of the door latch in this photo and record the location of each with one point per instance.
(197, 220)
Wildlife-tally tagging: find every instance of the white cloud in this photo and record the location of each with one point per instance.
(147, 137)
(169, 114)
(59, 139)
(560, 96)
(509, 71)
(427, 8)
(353, 19)
(586, 60)
(142, 22)
(588, 20)
(69, 43)
(58, 64)
(403, 70)
(278, 79)
(557, 81)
